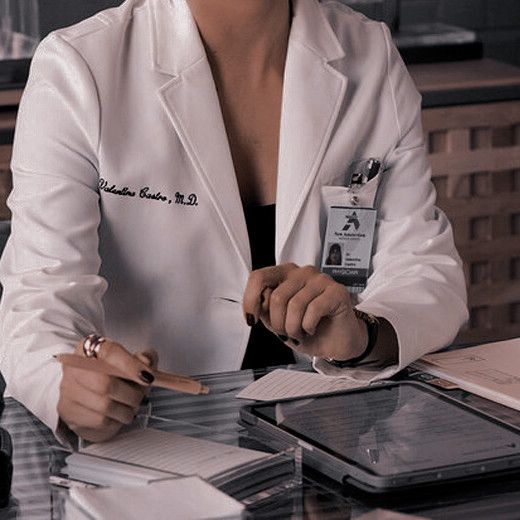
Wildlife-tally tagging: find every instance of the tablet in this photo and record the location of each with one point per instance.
(390, 436)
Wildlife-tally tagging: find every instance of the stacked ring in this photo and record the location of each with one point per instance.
(92, 345)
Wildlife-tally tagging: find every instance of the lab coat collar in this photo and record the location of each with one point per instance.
(176, 46)
(311, 29)
(313, 94)
(193, 107)
(312, 97)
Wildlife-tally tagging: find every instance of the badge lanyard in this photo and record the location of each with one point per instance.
(349, 236)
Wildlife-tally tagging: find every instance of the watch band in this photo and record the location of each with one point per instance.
(372, 324)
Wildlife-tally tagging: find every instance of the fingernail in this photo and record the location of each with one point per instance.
(282, 337)
(250, 319)
(146, 377)
(295, 341)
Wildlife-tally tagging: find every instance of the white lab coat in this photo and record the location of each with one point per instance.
(123, 103)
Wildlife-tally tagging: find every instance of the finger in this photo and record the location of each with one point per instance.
(119, 357)
(90, 425)
(265, 299)
(105, 406)
(297, 306)
(149, 357)
(278, 303)
(258, 281)
(333, 301)
(122, 391)
(264, 309)
(280, 297)
(93, 435)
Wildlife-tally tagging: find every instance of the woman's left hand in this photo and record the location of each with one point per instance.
(307, 309)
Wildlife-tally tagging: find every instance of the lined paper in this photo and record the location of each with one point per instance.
(283, 384)
(171, 452)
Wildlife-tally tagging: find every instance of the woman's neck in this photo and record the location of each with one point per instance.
(248, 34)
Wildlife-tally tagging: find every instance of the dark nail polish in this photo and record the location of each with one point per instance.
(295, 341)
(250, 319)
(146, 377)
(282, 337)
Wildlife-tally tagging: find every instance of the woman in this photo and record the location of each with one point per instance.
(150, 137)
(334, 256)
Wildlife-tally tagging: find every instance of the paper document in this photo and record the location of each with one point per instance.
(284, 384)
(188, 498)
(491, 370)
(143, 456)
(104, 472)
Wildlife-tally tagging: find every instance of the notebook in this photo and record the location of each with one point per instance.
(146, 455)
(491, 370)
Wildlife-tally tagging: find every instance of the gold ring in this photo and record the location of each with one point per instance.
(92, 345)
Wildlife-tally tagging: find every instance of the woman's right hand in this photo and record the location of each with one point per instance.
(96, 406)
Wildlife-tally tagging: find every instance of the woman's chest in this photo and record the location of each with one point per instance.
(251, 115)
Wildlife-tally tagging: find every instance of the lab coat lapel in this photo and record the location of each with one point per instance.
(312, 97)
(191, 102)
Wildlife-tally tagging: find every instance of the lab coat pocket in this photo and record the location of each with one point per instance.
(335, 196)
(363, 196)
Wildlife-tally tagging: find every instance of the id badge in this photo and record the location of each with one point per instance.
(347, 248)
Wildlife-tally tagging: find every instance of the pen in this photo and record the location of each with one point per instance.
(70, 483)
(361, 172)
(162, 379)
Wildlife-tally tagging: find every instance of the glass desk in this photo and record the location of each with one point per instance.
(216, 414)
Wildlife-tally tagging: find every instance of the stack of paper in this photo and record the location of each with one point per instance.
(187, 498)
(145, 456)
(491, 370)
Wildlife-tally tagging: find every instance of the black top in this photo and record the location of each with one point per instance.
(264, 347)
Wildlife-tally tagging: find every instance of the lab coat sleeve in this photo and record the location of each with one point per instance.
(417, 282)
(52, 292)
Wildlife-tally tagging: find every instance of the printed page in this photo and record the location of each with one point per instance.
(188, 498)
(284, 384)
(491, 370)
(169, 451)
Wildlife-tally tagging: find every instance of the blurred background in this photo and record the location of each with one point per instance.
(495, 22)
(464, 56)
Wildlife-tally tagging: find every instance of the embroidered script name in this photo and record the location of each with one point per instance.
(146, 193)
(125, 192)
